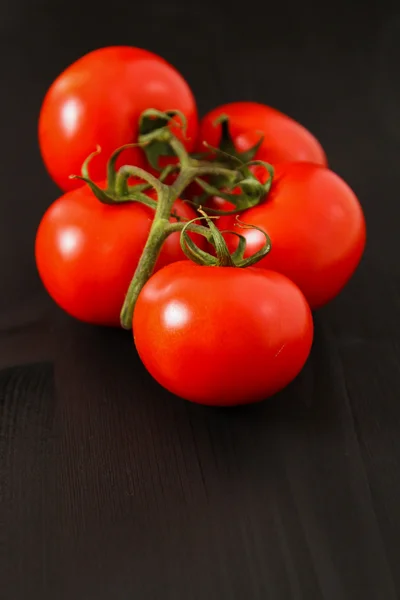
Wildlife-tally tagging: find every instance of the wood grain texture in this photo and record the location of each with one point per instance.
(113, 489)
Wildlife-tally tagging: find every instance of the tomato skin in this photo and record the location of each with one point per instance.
(87, 252)
(316, 225)
(222, 335)
(98, 100)
(285, 139)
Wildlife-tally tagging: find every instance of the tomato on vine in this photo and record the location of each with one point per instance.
(97, 245)
(222, 334)
(316, 225)
(274, 136)
(87, 252)
(98, 101)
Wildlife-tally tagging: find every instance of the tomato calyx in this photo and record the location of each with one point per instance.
(223, 257)
(227, 144)
(231, 157)
(157, 140)
(243, 191)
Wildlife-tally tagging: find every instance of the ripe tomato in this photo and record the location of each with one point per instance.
(284, 138)
(222, 335)
(98, 100)
(316, 226)
(87, 252)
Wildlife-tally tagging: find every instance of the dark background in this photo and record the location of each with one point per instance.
(110, 487)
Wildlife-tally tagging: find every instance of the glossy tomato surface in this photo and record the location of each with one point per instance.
(98, 101)
(87, 252)
(284, 138)
(222, 335)
(316, 225)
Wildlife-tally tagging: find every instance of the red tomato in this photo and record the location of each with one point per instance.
(87, 252)
(284, 138)
(98, 101)
(316, 226)
(222, 335)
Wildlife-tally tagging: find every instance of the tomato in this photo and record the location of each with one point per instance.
(316, 226)
(222, 335)
(87, 252)
(98, 100)
(284, 138)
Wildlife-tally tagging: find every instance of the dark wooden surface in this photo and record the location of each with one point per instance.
(111, 488)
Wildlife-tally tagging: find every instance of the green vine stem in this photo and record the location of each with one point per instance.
(190, 169)
(161, 227)
(157, 139)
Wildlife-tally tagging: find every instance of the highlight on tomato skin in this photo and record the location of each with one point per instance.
(284, 138)
(87, 252)
(222, 336)
(98, 100)
(316, 225)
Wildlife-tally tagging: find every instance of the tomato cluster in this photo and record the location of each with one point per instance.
(213, 239)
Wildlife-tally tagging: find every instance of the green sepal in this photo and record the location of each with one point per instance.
(86, 162)
(227, 145)
(192, 251)
(238, 255)
(152, 124)
(112, 172)
(252, 193)
(103, 195)
(224, 258)
(228, 155)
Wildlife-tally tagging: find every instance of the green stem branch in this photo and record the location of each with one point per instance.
(194, 228)
(144, 270)
(192, 172)
(128, 171)
(190, 169)
(161, 227)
